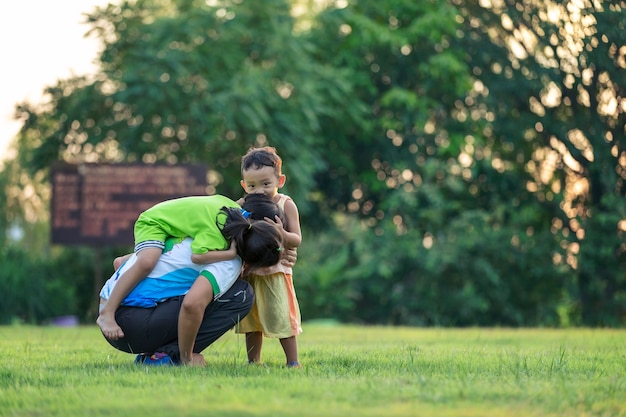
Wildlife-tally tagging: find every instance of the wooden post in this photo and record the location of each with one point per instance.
(98, 281)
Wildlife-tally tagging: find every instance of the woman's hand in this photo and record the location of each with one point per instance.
(197, 360)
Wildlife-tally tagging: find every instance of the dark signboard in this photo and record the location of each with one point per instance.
(98, 203)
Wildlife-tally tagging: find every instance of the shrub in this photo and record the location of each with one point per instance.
(32, 294)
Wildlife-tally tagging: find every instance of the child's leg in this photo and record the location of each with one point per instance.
(254, 343)
(146, 261)
(290, 346)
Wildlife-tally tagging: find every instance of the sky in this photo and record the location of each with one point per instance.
(41, 41)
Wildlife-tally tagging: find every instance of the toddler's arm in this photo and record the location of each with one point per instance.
(292, 235)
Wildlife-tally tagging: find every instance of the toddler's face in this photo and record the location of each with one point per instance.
(262, 181)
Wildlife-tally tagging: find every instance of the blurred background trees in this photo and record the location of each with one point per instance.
(455, 162)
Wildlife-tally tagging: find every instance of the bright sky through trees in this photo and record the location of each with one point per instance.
(42, 41)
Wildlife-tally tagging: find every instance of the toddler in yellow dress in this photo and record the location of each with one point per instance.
(275, 313)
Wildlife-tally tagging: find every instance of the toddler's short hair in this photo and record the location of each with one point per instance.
(257, 158)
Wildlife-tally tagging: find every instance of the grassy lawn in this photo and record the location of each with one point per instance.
(348, 371)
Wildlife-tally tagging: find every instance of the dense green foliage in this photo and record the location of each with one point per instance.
(454, 162)
(348, 370)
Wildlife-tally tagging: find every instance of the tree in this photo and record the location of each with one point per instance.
(553, 79)
(428, 167)
(456, 163)
(184, 81)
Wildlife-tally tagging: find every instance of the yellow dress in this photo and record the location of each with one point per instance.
(275, 311)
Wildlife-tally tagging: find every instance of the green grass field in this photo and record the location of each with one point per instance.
(348, 371)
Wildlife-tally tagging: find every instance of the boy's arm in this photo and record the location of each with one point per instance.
(214, 255)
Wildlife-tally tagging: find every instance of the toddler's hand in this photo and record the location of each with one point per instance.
(275, 221)
(288, 257)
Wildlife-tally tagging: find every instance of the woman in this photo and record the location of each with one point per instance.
(220, 231)
(181, 307)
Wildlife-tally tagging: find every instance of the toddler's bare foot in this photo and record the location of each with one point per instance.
(109, 328)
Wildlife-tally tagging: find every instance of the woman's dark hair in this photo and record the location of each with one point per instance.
(258, 242)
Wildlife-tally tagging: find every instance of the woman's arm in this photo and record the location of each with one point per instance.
(191, 315)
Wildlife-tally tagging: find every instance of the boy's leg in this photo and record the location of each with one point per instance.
(128, 280)
(119, 261)
(146, 260)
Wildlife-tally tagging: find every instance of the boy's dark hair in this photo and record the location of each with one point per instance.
(262, 157)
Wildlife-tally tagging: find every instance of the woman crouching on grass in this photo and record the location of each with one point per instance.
(181, 308)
